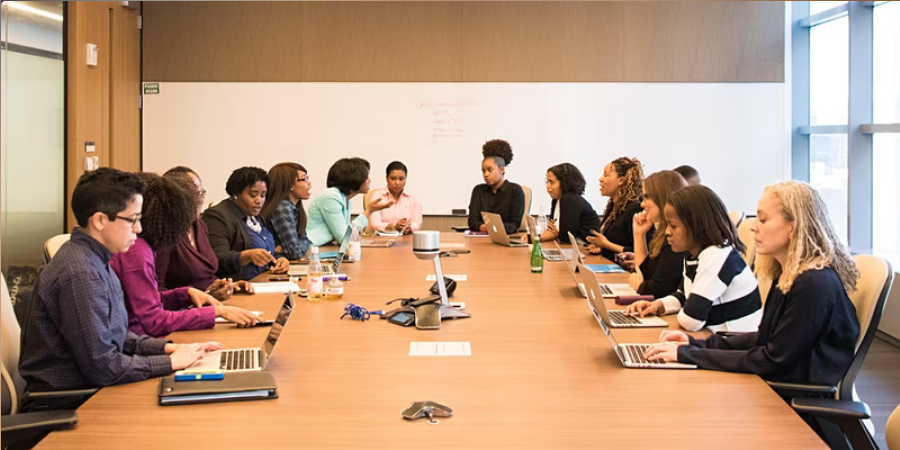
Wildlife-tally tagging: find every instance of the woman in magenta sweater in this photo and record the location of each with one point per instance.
(169, 209)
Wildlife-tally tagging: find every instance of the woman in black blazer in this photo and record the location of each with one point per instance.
(569, 211)
(621, 182)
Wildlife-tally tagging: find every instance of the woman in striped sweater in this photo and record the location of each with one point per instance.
(718, 290)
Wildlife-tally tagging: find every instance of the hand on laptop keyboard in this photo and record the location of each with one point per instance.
(666, 351)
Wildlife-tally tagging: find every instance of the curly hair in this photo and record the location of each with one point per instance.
(499, 150)
(705, 217)
(632, 189)
(570, 178)
(170, 207)
(658, 187)
(104, 190)
(814, 243)
(283, 176)
(243, 178)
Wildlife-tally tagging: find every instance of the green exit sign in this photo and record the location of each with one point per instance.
(151, 88)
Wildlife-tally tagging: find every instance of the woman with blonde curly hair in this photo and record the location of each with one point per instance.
(809, 328)
(622, 183)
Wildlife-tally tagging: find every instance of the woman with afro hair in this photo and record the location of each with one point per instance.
(496, 195)
(569, 211)
(169, 208)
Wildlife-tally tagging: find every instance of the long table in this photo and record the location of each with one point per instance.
(541, 375)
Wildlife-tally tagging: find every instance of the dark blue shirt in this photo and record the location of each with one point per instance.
(262, 239)
(76, 333)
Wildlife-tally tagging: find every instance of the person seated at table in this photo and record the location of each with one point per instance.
(289, 186)
(168, 210)
(689, 174)
(809, 327)
(243, 245)
(406, 210)
(718, 290)
(76, 333)
(496, 194)
(570, 212)
(659, 268)
(329, 213)
(621, 182)
(191, 261)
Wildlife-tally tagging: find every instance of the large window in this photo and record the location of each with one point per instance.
(846, 91)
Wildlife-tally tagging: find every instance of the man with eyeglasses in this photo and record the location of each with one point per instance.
(75, 335)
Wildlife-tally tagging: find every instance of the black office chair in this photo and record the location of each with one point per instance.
(46, 411)
(833, 408)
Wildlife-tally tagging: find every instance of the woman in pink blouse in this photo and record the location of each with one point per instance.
(406, 213)
(168, 210)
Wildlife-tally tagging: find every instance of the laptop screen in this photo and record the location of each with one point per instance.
(278, 327)
(345, 241)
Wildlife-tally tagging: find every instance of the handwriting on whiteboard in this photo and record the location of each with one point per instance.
(449, 119)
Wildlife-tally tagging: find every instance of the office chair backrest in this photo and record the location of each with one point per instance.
(872, 288)
(527, 191)
(892, 430)
(9, 347)
(736, 217)
(53, 244)
(368, 197)
(745, 234)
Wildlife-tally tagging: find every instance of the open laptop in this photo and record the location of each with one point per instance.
(615, 318)
(632, 355)
(608, 290)
(550, 254)
(337, 258)
(497, 231)
(247, 359)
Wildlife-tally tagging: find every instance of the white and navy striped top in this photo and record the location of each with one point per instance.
(718, 291)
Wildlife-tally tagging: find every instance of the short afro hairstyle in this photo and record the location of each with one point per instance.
(170, 207)
(396, 165)
(570, 178)
(243, 178)
(498, 149)
(348, 175)
(104, 190)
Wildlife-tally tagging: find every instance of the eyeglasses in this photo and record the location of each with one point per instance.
(202, 193)
(133, 221)
(304, 179)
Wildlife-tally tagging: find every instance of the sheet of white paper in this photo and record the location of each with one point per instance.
(275, 287)
(453, 245)
(440, 349)
(452, 276)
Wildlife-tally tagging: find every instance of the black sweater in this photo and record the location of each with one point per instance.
(806, 336)
(508, 202)
(576, 216)
(619, 230)
(662, 275)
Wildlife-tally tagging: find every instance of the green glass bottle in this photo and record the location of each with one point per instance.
(537, 258)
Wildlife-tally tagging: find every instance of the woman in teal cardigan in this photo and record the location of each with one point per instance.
(329, 214)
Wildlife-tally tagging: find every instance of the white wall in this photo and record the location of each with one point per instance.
(732, 133)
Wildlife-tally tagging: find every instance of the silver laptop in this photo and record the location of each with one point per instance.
(608, 290)
(615, 318)
(572, 264)
(377, 242)
(247, 359)
(632, 355)
(497, 231)
(550, 254)
(302, 268)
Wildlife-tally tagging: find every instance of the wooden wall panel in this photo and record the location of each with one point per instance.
(101, 100)
(543, 41)
(704, 41)
(464, 41)
(124, 89)
(381, 41)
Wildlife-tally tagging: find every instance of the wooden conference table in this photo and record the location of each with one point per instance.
(541, 375)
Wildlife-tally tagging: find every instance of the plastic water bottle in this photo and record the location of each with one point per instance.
(355, 247)
(314, 285)
(537, 258)
(541, 222)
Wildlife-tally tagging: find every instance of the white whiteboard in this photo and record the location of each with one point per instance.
(734, 134)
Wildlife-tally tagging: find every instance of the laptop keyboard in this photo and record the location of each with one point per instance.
(607, 292)
(619, 318)
(237, 360)
(636, 354)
